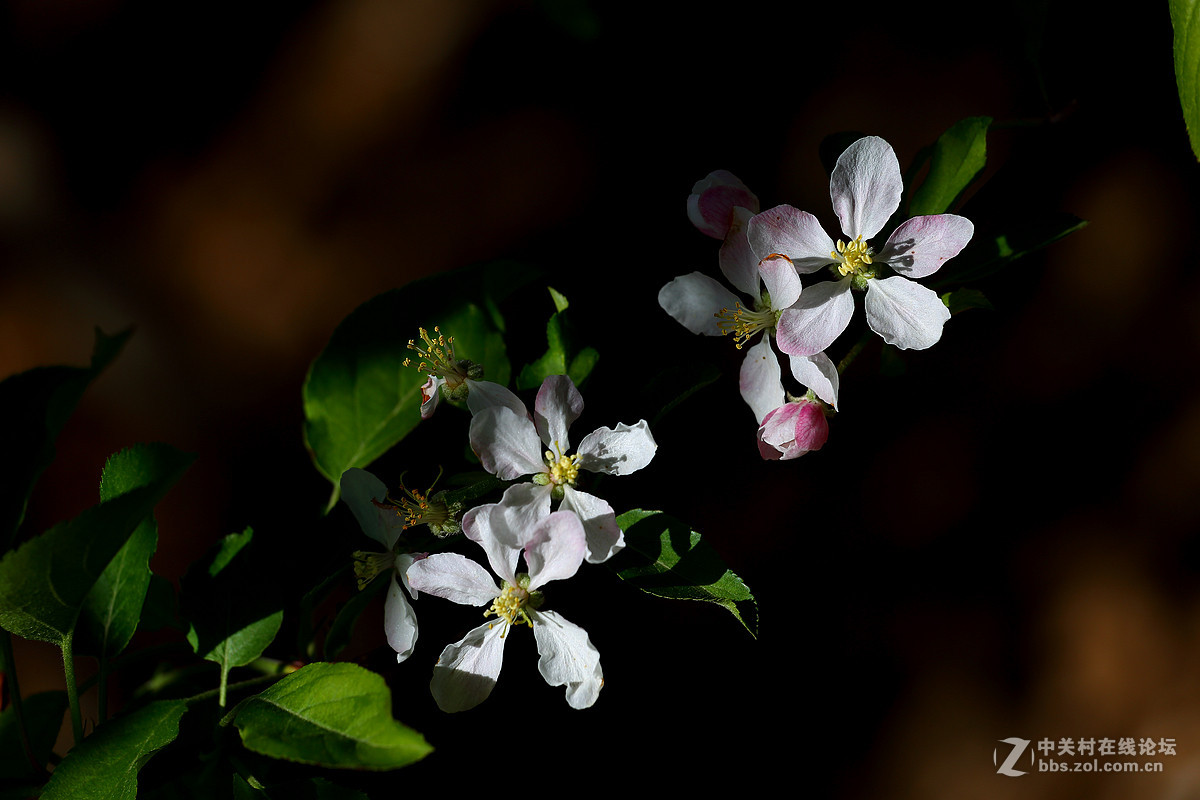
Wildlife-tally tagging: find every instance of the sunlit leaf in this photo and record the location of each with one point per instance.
(958, 156)
(1185, 20)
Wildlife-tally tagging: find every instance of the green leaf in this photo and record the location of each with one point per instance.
(666, 558)
(113, 607)
(964, 299)
(1185, 21)
(561, 356)
(45, 582)
(329, 714)
(986, 257)
(43, 713)
(230, 623)
(360, 399)
(958, 156)
(34, 406)
(105, 765)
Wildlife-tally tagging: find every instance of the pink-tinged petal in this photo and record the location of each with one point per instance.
(453, 577)
(792, 430)
(555, 549)
(818, 373)
(920, 246)
(502, 528)
(399, 622)
(713, 200)
(507, 444)
(817, 318)
(467, 670)
(905, 314)
(738, 263)
(604, 536)
(558, 404)
(782, 282)
(865, 187)
(617, 451)
(788, 231)
(484, 394)
(567, 658)
(366, 497)
(694, 300)
(760, 379)
(431, 396)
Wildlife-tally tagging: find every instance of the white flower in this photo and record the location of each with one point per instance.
(510, 445)
(366, 496)
(704, 306)
(865, 188)
(554, 548)
(454, 377)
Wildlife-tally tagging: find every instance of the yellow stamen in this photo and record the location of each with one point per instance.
(439, 354)
(744, 323)
(368, 565)
(853, 258)
(562, 469)
(510, 606)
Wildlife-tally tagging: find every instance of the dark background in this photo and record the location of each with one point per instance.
(998, 542)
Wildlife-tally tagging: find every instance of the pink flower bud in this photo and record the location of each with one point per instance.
(711, 203)
(792, 430)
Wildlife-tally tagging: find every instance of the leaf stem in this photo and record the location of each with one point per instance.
(854, 351)
(14, 694)
(68, 653)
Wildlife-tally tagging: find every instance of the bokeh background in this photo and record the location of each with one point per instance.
(999, 541)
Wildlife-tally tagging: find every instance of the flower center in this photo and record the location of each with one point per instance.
(853, 258)
(744, 323)
(562, 470)
(368, 565)
(510, 606)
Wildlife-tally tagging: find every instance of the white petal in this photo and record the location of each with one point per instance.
(920, 246)
(507, 444)
(467, 671)
(399, 622)
(482, 394)
(790, 232)
(401, 564)
(817, 318)
(782, 282)
(555, 549)
(694, 300)
(819, 373)
(738, 263)
(604, 536)
(617, 451)
(558, 404)
(431, 396)
(759, 379)
(905, 314)
(453, 577)
(360, 490)
(865, 187)
(488, 525)
(568, 658)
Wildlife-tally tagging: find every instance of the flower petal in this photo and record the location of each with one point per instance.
(865, 187)
(714, 199)
(507, 443)
(604, 536)
(792, 430)
(790, 232)
(759, 379)
(694, 300)
(738, 263)
(362, 492)
(782, 282)
(399, 622)
(454, 577)
(558, 404)
(617, 451)
(906, 314)
(817, 318)
(555, 549)
(483, 394)
(431, 395)
(920, 246)
(501, 530)
(818, 373)
(466, 671)
(567, 658)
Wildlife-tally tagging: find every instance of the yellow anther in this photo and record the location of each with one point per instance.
(510, 606)
(562, 469)
(368, 565)
(743, 323)
(438, 351)
(853, 258)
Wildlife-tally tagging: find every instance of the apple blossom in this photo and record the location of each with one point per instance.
(793, 429)
(865, 188)
(711, 204)
(510, 444)
(457, 379)
(554, 548)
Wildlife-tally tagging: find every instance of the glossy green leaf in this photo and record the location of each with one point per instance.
(44, 583)
(34, 406)
(964, 299)
(1185, 21)
(329, 714)
(231, 619)
(105, 765)
(43, 713)
(359, 397)
(665, 557)
(958, 156)
(562, 356)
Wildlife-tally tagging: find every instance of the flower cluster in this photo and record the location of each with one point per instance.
(764, 254)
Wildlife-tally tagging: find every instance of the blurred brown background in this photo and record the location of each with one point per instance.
(999, 542)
